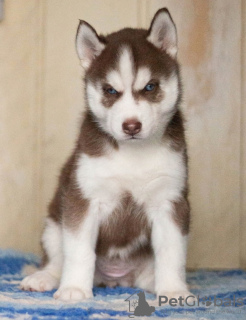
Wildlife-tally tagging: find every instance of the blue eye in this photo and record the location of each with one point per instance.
(111, 91)
(149, 87)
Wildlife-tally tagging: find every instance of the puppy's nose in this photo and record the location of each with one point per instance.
(131, 126)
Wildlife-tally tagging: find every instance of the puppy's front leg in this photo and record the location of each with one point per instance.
(169, 246)
(79, 258)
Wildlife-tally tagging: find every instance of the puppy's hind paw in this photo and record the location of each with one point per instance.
(72, 294)
(39, 281)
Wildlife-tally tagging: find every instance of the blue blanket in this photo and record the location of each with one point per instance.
(222, 295)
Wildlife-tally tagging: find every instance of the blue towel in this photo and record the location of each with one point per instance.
(213, 287)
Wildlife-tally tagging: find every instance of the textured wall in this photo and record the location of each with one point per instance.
(20, 72)
(41, 99)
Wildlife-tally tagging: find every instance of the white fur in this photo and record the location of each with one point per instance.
(107, 177)
(145, 278)
(48, 278)
(169, 247)
(155, 180)
(126, 67)
(94, 97)
(114, 79)
(79, 258)
(142, 78)
(153, 116)
(122, 79)
(52, 244)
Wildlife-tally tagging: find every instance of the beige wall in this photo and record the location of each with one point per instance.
(41, 99)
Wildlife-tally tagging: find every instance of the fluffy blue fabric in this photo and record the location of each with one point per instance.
(110, 303)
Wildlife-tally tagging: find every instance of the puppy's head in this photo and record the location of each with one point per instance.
(131, 77)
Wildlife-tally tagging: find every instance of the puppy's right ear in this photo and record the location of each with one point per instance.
(88, 44)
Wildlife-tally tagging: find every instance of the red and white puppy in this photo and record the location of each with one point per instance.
(120, 215)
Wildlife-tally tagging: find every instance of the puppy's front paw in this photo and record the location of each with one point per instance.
(72, 294)
(39, 281)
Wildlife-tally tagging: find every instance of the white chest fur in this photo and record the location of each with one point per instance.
(147, 172)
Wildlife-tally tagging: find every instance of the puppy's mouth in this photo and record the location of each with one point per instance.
(133, 137)
(130, 138)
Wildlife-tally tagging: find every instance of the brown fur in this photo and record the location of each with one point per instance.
(55, 208)
(129, 220)
(92, 140)
(175, 132)
(68, 204)
(182, 215)
(124, 225)
(154, 96)
(109, 99)
(143, 54)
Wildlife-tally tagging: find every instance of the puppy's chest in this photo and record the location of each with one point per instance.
(139, 171)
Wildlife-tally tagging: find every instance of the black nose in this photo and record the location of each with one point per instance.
(131, 126)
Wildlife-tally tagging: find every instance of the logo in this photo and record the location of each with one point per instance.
(197, 301)
(138, 305)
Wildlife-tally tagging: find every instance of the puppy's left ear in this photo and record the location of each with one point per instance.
(88, 44)
(162, 32)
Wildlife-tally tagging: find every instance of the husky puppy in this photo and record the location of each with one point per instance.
(120, 215)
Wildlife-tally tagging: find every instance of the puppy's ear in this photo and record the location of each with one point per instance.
(162, 32)
(88, 44)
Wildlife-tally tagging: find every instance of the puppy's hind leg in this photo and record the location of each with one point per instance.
(145, 278)
(49, 276)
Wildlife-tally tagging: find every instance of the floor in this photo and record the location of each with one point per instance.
(222, 295)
